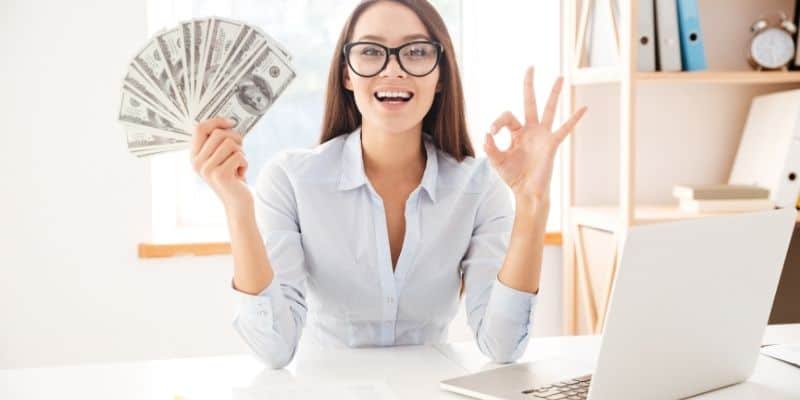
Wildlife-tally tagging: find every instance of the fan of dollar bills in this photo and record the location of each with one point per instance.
(198, 70)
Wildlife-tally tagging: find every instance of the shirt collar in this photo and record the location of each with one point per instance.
(353, 175)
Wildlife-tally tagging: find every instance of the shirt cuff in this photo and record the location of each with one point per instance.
(259, 305)
(512, 304)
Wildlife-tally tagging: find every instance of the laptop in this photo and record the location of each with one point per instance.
(686, 315)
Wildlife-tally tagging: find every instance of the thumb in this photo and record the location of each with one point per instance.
(490, 147)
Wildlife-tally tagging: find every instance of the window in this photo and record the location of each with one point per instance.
(186, 209)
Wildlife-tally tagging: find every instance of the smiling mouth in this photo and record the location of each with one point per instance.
(393, 96)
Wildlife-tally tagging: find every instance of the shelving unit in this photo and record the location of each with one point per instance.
(650, 130)
(592, 76)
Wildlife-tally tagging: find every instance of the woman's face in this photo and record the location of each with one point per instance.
(392, 25)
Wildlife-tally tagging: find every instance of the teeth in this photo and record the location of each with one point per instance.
(384, 94)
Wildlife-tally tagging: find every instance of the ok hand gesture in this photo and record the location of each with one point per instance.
(527, 165)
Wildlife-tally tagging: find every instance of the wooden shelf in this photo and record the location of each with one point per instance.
(590, 256)
(735, 77)
(604, 75)
(607, 217)
(595, 75)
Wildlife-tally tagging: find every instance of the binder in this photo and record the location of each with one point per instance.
(795, 64)
(669, 48)
(646, 53)
(693, 54)
(769, 151)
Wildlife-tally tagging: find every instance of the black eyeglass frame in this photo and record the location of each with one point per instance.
(396, 51)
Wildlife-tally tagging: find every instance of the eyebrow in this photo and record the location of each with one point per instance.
(405, 38)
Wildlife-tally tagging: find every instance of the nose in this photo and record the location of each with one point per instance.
(393, 67)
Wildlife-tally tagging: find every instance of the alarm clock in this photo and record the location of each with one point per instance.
(772, 46)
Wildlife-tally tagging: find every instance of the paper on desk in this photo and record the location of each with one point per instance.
(366, 390)
(788, 353)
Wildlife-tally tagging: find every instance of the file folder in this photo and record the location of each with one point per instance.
(669, 45)
(769, 151)
(646, 54)
(693, 54)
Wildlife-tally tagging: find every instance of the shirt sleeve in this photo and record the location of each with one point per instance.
(498, 315)
(271, 322)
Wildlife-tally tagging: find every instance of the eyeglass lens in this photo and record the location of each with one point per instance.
(415, 58)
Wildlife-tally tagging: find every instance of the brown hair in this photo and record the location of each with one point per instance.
(445, 120)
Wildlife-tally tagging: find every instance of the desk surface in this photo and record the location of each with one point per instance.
(372, 373)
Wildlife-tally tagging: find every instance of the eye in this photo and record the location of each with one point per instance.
(417, 51)
(371, 51)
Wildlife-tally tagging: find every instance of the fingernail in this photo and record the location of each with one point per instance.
(229, 121)
(492, 129)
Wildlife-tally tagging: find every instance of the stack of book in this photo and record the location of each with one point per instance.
(720, 198)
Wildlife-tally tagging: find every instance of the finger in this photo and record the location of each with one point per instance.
(222, 152)
(570, 124)
(216, 137)
(490, 147)
(241, 172)
(233, 164)
(204, 130)
(531, 113)
(241, 168)
(225, 168)
(552, 102)
(506, 119)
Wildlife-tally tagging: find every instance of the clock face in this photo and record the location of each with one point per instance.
(772, 48)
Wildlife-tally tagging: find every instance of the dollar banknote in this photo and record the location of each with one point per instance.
(197, 70)
(255, 91)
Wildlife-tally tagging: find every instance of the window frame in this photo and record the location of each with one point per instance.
(169, 238)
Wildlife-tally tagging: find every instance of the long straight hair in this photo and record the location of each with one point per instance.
(445, 121)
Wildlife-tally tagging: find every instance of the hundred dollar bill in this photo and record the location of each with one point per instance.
(238, 66)
(237, 62)
(153, 106)
(170, 43)
(134, 81)
(160, 149)
(199, 33)
(186, 35)
(142, 143)
(140, 139)
(152, 64)
(256, 91)
(244, 51)
(135, 110)
(222, 37)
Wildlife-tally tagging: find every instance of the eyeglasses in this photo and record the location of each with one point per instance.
(368, 59)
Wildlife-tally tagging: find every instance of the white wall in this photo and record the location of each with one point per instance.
(74, 204)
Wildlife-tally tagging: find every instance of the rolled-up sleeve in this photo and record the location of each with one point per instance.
(499, 316)
(271, 322)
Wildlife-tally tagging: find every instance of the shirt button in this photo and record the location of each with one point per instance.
(390, 300)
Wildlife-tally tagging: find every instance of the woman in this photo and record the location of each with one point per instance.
(391, 218)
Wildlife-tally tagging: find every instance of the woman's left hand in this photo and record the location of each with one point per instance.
(527, 165)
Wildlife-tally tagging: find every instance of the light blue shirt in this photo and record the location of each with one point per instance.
(324, 228)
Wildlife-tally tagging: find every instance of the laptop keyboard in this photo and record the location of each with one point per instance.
(571, 389)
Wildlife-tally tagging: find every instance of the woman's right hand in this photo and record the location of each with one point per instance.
(217, 156)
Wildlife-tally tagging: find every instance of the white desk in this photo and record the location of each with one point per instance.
(394, 372)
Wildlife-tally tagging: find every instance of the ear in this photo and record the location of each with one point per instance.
(346, 82)
(438, 87)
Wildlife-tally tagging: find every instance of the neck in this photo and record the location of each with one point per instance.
(399, 155)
